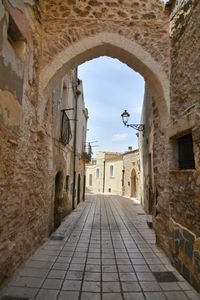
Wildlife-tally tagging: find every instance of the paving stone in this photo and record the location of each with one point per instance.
(131, 286)
(23, 292)
(89, 296)
(145, 276)
(141, 268)
(92, 276)
(123, 261)
(74, 275)
(93, 268)
(176, 296)
(112, 296)
(108, 261)
(111, 287)
(109, 269)
(52, 284)
(68, 295)
(27, 282)
(155, 296)
(110, 277)
(138, 261)
(157, 268)
(71, 285)
(125, 268)
(94, 255)
(39, 264)
(170, 286)
(57, 274)
(128, 277)
(60, 266)
(33, 272)
(93, 261)
(193, 295)
(91, 286)
(150, 286)
(184, 286)
(133, 296)
(47, 294)
(76, 267)
(63, 259)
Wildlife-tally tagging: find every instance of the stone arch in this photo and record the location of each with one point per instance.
(115, 46)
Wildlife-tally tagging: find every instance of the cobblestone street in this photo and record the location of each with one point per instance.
(108, 252)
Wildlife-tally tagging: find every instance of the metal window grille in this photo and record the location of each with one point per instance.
(66, 133)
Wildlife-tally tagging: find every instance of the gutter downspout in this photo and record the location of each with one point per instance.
(74, 148)
(104, 166)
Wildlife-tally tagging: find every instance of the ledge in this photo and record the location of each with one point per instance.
(184, 171)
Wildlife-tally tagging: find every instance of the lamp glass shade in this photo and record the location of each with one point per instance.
(125, 115)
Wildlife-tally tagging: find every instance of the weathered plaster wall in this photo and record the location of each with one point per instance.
(131, 161)
(185, 115)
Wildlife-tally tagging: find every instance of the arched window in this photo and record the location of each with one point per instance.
(97, 173)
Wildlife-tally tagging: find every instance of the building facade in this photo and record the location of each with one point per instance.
(116, 173)
(131, 174)
(69, 135)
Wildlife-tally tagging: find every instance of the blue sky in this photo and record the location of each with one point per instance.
(110, 87)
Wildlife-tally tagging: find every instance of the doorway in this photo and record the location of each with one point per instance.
(133, 184)
(79, 189)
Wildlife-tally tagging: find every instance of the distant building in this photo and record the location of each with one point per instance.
(114, 172)
(69, 147)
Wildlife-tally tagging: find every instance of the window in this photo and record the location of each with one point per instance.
(111, 170)
(185, 152)
(97, 173)
(90, 180)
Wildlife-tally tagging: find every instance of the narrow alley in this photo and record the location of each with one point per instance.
(103, 250)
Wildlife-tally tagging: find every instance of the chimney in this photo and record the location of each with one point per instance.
(130, 148)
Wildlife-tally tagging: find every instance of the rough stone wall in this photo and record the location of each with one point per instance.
(185, 116)
(143, 21)
(153, 147)
(27, 171)
(23, 221)
(27, 149)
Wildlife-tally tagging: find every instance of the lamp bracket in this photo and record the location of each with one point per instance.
(139, 127)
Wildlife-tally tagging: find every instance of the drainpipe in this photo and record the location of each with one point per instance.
(104, 176)
(74, 147)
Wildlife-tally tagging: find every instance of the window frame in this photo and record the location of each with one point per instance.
(185, 148)
(97, 172)
(112, 174)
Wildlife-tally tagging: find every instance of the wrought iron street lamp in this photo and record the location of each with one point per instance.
(125, 116)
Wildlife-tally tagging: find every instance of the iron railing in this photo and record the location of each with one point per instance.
(65, 134)
(87, 152)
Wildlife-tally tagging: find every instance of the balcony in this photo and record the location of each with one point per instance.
(65, 134)
(87, 153)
